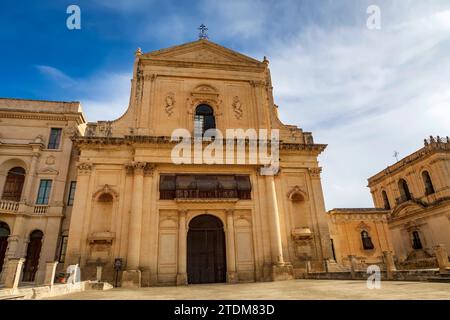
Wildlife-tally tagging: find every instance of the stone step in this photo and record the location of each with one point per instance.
(439, 279)
(442, 277)
(12, 297)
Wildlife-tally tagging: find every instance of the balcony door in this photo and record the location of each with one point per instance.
(14, 184)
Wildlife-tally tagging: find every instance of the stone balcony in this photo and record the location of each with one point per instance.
(13, 207)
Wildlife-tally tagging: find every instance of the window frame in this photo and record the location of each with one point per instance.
(47, 192)
(428, 183)
(63, 248)
(56, 145)
(71, 194)
(369, 245)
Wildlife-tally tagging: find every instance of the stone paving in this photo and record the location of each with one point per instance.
(293, 289)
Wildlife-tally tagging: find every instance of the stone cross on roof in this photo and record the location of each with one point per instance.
(202, 34)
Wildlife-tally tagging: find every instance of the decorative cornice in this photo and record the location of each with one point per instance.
(209, 200)
(130, 139)
(429, 149)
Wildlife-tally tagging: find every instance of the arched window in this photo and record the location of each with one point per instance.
(366, 240)
(429, 189)
(416, 243)
(14, 184)
(203, 120)
(404, 190)
(387, 205)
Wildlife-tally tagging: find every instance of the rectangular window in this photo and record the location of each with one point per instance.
(63, 248)
(55, 138)
(73, 185)
(45, 187)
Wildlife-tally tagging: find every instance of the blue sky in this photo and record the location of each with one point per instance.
(363, 92)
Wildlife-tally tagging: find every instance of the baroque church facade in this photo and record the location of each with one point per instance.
(196, 223)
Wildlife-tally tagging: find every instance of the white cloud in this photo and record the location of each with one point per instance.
(366, 94)
(57, 76)
(103, 95)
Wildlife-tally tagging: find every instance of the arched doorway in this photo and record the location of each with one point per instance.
(32, 258)
(206, 259)
(14, 184)
(4, 234)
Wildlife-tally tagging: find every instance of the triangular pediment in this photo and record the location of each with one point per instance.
(202, 51)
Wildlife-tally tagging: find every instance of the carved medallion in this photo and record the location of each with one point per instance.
(50, 160)
(237, 108)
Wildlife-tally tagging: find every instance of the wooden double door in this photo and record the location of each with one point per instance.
(206, 257)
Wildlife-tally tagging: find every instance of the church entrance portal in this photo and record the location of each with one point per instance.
(206, 258)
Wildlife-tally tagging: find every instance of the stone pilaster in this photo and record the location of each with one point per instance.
(78, 217)
(27, 189)
(132, 276)
(280, 269)
(231, 249)
(182, 248)
(390, 264)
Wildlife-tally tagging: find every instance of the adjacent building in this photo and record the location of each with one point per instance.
(416, 191)
(411, 214)
(37, 180)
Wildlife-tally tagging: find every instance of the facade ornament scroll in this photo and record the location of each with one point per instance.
(237, 108)
(257, 83)
(363, 227)
(84, 168)
(71, 131)
(315, 172)
(150, 77)
(140, 167)
(50, 160)
(204, 94)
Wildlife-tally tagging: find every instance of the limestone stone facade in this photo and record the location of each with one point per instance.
(36, 156)
(362, 234)
(416, 190)
(130, 201)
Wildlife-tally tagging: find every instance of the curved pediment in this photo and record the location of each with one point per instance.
(407, 208)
